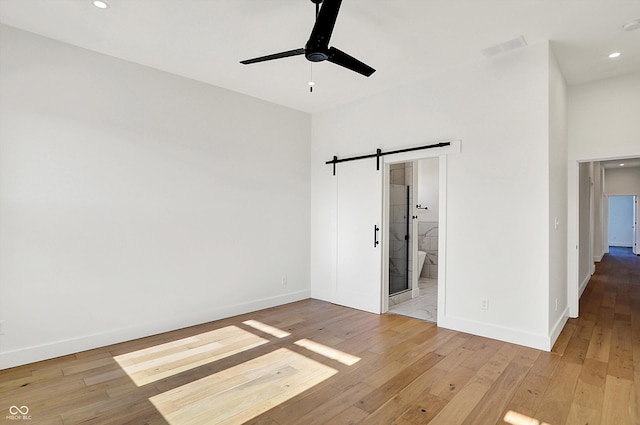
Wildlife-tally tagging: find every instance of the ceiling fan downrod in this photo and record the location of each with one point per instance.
(317, 3)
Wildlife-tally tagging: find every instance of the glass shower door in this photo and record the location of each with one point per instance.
(399, 232)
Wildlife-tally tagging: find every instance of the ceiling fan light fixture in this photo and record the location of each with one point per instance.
(317, 56)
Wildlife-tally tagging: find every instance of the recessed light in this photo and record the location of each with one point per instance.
(614, 55)
(633, 25)
(622, 165)
(100, 4)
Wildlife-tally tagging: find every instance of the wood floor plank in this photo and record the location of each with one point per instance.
(397, 383)
(350, 416)
(496, 399)
(459, 408)
(492, 370)
(557, 400)
(451, 382)
(600, 344)
(325, 413)
(413, 395)
(530, 392)
(563, 339)
(576, 350)
(590, 387)
(422, 412)
(582, 415)
(621, 352)
(616, 409)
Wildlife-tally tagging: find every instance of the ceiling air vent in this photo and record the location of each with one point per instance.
(507, 46)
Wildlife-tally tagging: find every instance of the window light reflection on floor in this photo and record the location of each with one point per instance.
(163, 360)
(332, 353)
(515, 418)
(278, 333)
(242, 392)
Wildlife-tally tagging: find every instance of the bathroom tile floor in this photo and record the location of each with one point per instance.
(425, 306)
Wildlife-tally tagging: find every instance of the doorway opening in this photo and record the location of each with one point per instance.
(622, 223)
(596, 180)
(412, 211)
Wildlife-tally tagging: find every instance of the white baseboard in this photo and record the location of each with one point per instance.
(583, 285)
(87, 342)
(514, 336)
(558, 326)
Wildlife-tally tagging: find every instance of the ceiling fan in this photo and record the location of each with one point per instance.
(317, 48)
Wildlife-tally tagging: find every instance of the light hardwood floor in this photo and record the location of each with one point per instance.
(312, 362)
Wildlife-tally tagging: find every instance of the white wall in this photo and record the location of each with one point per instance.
(585, 259)
(497, 187)
(133, 201)
(428, 189)
(599, 244)
(558, 134)
(622, 181)
(603, 119)
(603, 124)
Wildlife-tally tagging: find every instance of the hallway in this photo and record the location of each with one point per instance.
(605, 341)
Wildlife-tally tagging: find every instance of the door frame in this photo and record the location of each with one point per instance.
(574, 290)
(636, 232)
(442, 155)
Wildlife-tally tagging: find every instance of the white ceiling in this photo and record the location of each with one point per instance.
(628, 163)
(405, 40)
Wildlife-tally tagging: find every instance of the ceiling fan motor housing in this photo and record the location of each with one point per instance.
(317, 49)
(316, 56)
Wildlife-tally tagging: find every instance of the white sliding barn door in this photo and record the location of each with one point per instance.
(359, 212)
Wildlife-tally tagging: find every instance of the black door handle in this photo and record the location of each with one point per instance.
(375, 235)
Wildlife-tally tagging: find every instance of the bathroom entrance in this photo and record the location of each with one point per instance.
(413, 200)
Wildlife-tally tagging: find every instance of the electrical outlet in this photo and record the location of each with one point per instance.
(484, 303)
(2, 327)
(284, 281)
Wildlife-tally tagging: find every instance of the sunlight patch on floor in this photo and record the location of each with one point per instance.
(242, 392)
(332, 353)
(278, 333)
(515, 418)
(164, 360)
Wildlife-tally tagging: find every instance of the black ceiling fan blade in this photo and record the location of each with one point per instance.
(343, 59)
(281, 55)
(325, 22)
